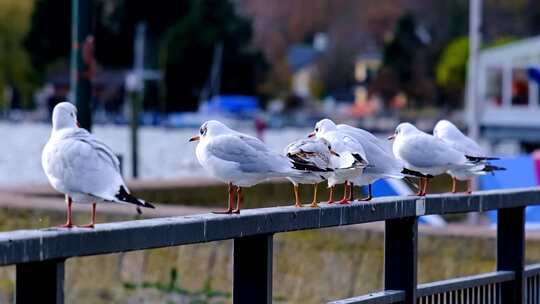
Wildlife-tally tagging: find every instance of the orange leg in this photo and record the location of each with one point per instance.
(314, 202)
(238, 199)
(345, 199)
(230, 201)
(296, 196)
(351, 192)
(370, 195)
(420, 187)
(424, 189)
(331, 196)
(93, 220)
(454, 184)
(469, 185)
(69, 222)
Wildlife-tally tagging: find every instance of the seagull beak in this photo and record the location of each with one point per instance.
(334, 153)
(310, 135)
(195, 138)
(391, 137)
(78, 124)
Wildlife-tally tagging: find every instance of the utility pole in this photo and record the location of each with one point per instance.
(473, 100)
(136, 89)
(475, 40)
(82, 59)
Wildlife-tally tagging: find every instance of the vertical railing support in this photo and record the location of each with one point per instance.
(252, 269)
(400, 256)
(511, 251)
(40, 282)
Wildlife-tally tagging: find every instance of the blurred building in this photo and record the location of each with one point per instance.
(509, 79)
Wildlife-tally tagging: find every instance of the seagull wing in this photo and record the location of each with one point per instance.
(428, 151)
(248, 153)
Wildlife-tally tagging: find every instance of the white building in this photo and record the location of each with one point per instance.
(509, 78)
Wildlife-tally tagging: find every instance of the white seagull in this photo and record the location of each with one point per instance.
(240, 160)
(451, 135)
(315, 152)
(382, 163)
(427, 154)
(82, 167)
(351, 162)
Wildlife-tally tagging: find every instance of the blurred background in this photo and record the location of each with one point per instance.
(146, 74)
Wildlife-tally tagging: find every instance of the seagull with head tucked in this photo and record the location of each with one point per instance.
(351, 161)
(240, 160)
(382, 163)
(315, 152)
(451, 135)
(82, 167)
(427, 154)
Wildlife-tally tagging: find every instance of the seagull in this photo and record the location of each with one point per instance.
(351, 162)
(451, 135)
(240, 160)
(315, 152)
(427, 154)
(382, 163)
(81, 167)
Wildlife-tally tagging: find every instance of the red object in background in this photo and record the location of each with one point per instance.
(536, 159)
(260, 127)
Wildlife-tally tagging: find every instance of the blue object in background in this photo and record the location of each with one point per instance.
(234, 104)
(520, 172)
(534, 74)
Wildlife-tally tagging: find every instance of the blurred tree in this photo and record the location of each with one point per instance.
(49, 38)
(451, 69)
(15, 68)
(185, 31)
(187, 53)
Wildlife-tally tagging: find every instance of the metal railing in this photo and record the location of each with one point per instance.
(45, 251)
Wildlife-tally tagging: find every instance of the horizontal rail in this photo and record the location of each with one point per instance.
(383, 297)
(464, 283)
(38, 245)
(532, 270)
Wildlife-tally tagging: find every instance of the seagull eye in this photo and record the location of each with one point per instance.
(316, 129)
(201, 131)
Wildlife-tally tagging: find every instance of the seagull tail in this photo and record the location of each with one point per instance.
(126, 197)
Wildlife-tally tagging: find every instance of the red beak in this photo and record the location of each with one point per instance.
(78, 124)
(310, 135)
(391, 137)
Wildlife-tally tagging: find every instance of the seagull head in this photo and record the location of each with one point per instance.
(64, 116)
(323, 126)
(403, 129)
(444, 128)
(211, 128)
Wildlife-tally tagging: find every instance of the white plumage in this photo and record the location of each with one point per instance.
(239, 159)
(80, 166)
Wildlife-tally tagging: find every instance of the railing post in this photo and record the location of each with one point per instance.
(252, 269)
(400, 256)
(511, 251)
(40, 282)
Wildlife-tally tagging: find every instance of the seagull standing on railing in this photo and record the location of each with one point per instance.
(451, 135)
(427, 154)
(240, 160)
(382, 162)
(315, 152)
(351, 161)
(82, 167)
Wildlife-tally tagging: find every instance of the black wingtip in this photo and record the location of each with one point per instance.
(492, 168)
(479, 158)
(124, 196)
(415, 173)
